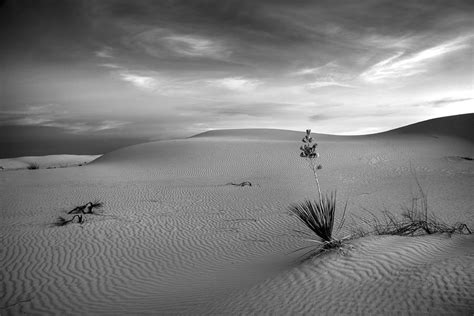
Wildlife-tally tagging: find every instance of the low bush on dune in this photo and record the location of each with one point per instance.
(317, 215)
(32, 166)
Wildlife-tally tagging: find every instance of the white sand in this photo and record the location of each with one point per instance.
(45, 162)
(175, 239)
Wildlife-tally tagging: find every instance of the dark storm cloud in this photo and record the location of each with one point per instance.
(43, 31)
(267, 33)
(44, 140)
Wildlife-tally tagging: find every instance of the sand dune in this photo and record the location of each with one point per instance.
(175, 238)
(45, 162)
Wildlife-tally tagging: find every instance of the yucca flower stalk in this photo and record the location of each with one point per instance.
(308, 151)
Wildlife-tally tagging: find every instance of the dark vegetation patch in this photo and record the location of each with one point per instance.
(242, 184)
(32, 166)
(80, 212)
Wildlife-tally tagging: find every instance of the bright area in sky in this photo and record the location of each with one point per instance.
(164, 69)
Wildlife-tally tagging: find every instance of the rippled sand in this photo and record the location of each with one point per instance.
(175, 238)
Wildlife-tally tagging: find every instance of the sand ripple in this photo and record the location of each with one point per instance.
(385, 275)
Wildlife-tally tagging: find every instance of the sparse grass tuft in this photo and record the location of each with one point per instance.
(33, 166)
(412, 223)
(414, 220)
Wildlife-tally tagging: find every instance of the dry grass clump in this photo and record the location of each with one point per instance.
(317, 215)
(80, 213)
(61, 221)
(86, 208)
(414, 220)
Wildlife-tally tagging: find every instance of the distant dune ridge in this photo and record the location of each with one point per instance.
(460, 126)
(174, 238)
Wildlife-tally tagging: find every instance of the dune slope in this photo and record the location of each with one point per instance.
(459, 126)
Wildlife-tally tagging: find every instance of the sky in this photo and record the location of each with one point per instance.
(120, 72)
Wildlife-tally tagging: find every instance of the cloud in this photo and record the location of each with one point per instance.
(168, 44)
(384, 41)
(442, 102)
(51, 115)
(239, 84)
(330, 74)
(142, 82)
(147, 83)
(82, 127)
(111, 66)
(194, 46)
(320, 117)
(72, 126)
(104, 53)
(248, 109)
(28, 121)
(105, 125)
(322, 84)
(400, 65)
(324, 69)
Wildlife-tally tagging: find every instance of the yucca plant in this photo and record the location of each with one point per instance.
(317, 215)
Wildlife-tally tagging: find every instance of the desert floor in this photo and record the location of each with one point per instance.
(174, 237)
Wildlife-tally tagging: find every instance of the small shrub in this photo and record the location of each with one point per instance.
(33, 166)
